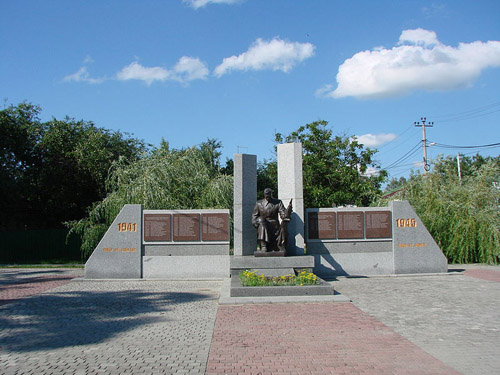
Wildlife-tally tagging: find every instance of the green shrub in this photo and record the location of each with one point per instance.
(463, 215)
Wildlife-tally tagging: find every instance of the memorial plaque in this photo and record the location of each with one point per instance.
(215, 227)
(378, 224)
(186, 227)
(321, 225)
(350, 225)
(157, 227)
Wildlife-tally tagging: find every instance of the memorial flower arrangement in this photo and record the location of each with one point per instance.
(250, 278)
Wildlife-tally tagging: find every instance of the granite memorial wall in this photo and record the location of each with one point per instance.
(163, 244)
(370, 241)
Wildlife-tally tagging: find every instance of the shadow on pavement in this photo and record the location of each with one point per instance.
(51, 321)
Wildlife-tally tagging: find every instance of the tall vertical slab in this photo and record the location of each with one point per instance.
(119, 253)
(290, 186)
(245, 197)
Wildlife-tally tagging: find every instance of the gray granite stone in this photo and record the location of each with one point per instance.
(415, 251)
(118, 254)
(353, 264)
(245, 196)
(238, 263)
(186, 267)
(290, 186)
(180, 249)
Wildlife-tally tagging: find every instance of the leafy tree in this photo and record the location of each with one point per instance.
(395, 184)
(267, 177)
(463, 216)
(52, 171)
(165, 179)
(335, 167)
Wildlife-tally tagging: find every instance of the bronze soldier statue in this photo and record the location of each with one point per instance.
(271, 235)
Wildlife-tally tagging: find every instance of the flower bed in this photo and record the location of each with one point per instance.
(250, 278)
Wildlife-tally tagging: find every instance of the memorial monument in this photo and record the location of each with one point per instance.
(271, 234)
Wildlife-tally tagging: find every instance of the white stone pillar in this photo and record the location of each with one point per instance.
(245, 197)
(290, 187)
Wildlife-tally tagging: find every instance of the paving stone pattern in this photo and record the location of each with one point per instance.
(17, 283)
(112, 327)
(455, 317)
(312, 338)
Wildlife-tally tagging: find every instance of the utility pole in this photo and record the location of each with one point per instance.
(458, 168)
(422, 123)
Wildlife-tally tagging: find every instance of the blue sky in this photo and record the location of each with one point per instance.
(240, 70)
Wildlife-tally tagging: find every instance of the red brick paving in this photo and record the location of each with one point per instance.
(488, 275)
(25, 287)
(312, 338)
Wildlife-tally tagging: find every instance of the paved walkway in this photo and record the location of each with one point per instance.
(445, 324)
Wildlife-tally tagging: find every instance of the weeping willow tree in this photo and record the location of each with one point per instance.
(463, 215)
(164, 179)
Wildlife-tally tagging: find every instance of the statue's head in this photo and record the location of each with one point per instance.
(268, 193)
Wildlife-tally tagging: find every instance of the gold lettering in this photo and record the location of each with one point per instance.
(127, 227)
(406, 223)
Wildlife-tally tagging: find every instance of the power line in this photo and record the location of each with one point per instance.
(410, 153)
(441, 145)
(470, 114)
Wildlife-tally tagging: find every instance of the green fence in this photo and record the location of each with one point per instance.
(35, 246)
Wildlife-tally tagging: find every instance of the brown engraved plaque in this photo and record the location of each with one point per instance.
(215, 227)
(157, 227)
(321, 225)
(186, 227)
(350, 224)
(378, 224)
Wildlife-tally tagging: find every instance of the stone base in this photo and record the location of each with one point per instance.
(237, 290)
(269, 254)
(241, 263)
(186, 267)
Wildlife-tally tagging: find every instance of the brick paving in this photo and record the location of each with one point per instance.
(315, 338)
(111, 327)
(396, 325)
(484, 274)
(455, 318)
(25, 282)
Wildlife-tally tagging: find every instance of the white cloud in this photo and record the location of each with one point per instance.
(369, 172)
(418, 62)
(187, 69)
(201, 3)
(82, 75)
(374, 140)
(275, 54)
(137, 71)
(420, 37)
